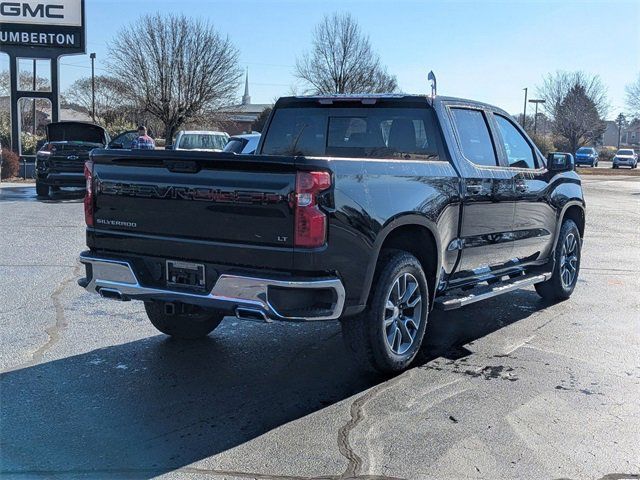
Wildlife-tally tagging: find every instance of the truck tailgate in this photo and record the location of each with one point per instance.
(215, 207)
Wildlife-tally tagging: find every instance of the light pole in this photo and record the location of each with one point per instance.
(92, 56)
(620, 121)
(535, 117)
(33, 100)
(524, 114)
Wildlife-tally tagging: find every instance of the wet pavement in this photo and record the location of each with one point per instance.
(512, 388)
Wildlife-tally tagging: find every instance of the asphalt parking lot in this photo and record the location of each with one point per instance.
(512, 388)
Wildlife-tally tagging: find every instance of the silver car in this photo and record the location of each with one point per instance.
(245, 144)
(625, 157)
(200, 140)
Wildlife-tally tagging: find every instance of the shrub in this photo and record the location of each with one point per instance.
(606, 154)
(10, 164)
(116, 128)
(562, 145)
(30, 143)
(544, 143)
(5, 129)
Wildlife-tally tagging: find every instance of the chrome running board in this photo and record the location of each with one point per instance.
(447, 302)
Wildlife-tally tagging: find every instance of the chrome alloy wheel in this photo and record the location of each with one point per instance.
(402, 313)
(569, 260)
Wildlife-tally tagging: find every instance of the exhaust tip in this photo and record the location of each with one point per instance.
(251, 314)
(112, 294)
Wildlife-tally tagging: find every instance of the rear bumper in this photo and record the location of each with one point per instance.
(585, 161)
(626, 162)
(242, 296)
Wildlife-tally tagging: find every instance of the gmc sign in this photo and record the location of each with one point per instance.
(42, 12)
(40, 28)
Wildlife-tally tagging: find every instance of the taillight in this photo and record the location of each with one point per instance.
(88, 196)
(310, 221)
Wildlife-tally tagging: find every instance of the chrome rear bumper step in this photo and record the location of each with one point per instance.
(448, 302)
(243, 296)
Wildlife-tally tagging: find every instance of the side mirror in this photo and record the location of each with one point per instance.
(560, 162)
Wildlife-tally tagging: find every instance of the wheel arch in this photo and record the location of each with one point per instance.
(398, 233)
(574, 211)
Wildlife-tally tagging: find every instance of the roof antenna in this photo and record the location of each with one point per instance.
(434, 86)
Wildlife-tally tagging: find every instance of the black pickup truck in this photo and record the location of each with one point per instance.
(369, 209)
(60, 161)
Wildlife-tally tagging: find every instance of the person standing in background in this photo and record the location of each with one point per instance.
(144, 141)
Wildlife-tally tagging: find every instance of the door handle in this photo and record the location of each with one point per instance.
(474, 188)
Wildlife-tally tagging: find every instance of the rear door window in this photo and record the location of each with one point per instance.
(475, 140)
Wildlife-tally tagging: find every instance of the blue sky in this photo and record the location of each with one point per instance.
(487, 51)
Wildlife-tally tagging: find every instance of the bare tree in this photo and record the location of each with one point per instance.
(112, 102)
(633, 98)
(4, 83)
(26, 105)
(259, 123)
(577, 104)
(341, 60)
(175, 67)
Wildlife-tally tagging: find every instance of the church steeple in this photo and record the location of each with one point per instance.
(246, 98)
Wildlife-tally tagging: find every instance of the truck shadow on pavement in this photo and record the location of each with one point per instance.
(27, 193)
(154, 405)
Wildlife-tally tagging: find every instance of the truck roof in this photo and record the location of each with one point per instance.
(372, 98)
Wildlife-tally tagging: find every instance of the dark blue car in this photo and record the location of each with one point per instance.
(587, 156)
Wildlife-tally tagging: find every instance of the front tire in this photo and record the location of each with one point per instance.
(566, 266)
(388, 335)
(42, 191)
(187, 324)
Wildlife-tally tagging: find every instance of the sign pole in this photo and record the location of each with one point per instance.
(15, 127)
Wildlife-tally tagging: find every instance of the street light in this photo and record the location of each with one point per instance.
(524, 114)
(92, 56)
(535, 117)
(620, 121)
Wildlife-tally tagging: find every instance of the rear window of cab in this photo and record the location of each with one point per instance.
(355, 132)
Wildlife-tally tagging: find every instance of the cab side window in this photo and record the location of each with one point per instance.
(475, 140)
(519, 151)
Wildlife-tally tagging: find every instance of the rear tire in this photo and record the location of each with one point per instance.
(387, 336)
(183, 325)
(566, 266)
(42, 191)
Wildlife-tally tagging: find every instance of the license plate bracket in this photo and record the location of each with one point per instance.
(185, 275)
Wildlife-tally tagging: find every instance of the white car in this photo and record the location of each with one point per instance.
(627, 157)
(200, 140)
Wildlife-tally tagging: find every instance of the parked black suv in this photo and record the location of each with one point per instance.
(369, 209)
(60, 161)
